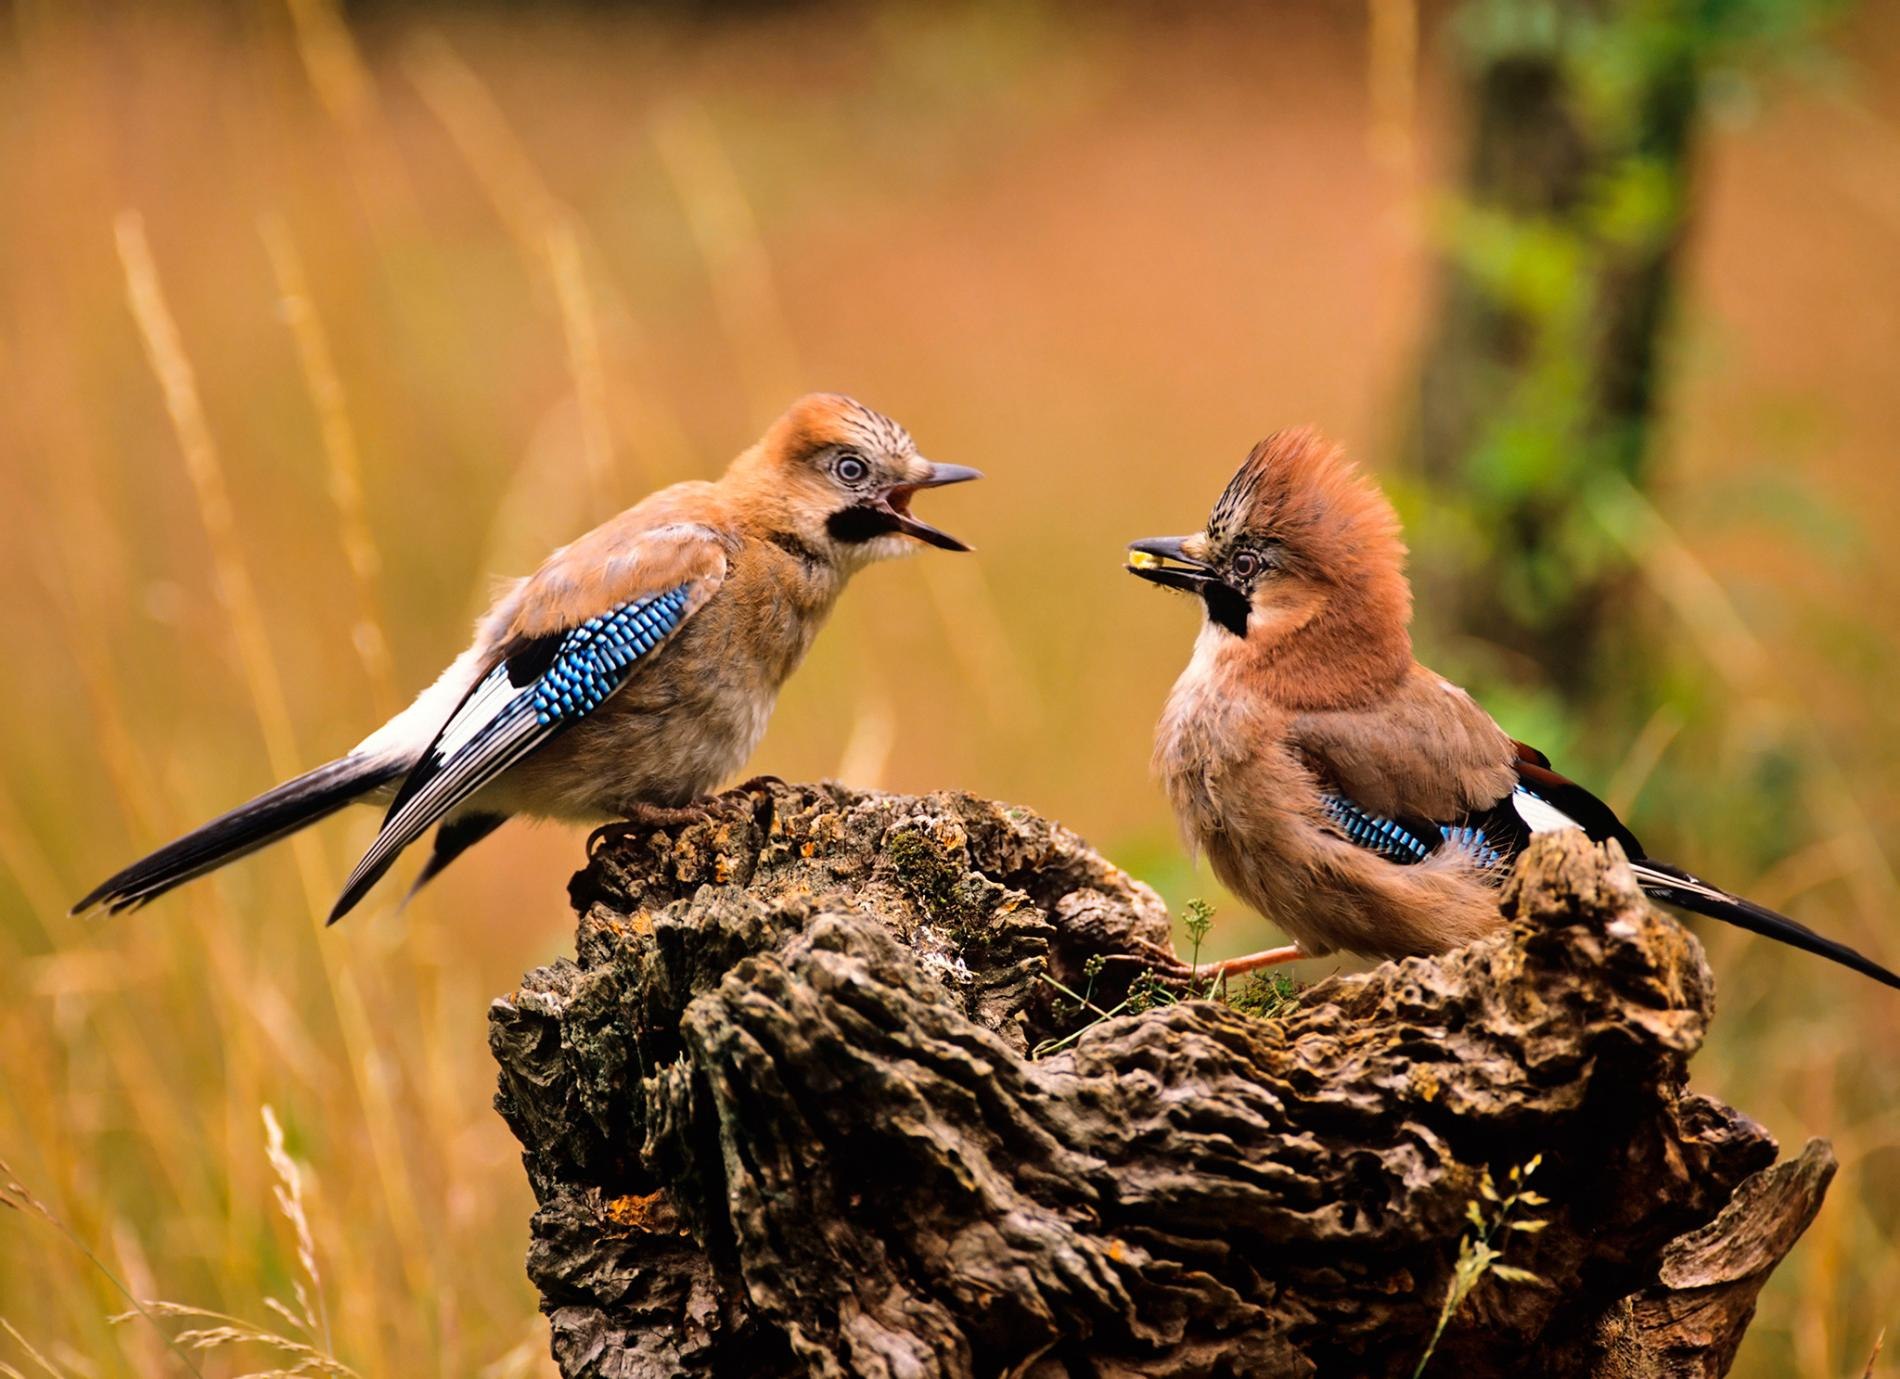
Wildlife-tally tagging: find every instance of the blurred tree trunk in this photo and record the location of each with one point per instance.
(1541, 373)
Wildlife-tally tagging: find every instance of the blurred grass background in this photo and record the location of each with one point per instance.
(310, 327)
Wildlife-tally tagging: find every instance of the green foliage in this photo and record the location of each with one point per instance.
(1481, 1251)
(1200, 919)
(1542, 391)
(1265, 996)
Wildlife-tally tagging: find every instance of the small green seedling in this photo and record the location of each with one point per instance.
(1478, 1255)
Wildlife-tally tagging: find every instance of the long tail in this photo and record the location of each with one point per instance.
(275, 814)
(1675, 886)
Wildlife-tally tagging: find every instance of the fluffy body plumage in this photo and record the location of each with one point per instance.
(1353, 796)
(636, 669)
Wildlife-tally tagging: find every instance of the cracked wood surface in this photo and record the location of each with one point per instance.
(781, 1119)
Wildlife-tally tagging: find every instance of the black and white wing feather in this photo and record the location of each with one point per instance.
(1543, 801)
(540, 688)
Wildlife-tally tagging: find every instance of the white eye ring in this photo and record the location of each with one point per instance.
(851, 469)
(1246, 564)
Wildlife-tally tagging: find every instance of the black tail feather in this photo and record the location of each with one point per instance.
(452, 839)
(1674, 886)
(275, 814)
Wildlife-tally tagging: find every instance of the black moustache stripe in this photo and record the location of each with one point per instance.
(1226, 606)
(853, 525)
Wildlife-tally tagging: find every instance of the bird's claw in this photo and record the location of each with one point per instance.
(643, 819)
(1161, 953)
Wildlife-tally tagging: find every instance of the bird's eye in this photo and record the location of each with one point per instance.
(851, 469)
(1246, 565)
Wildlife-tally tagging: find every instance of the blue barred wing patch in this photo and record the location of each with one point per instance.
(1470, 839)
(1406, 845)
(1389, 838)
(594, 658)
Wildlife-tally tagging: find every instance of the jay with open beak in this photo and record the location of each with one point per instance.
(1351, 795)
(627, 676)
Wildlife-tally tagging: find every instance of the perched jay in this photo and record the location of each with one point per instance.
(630, 674)
(1339, 787)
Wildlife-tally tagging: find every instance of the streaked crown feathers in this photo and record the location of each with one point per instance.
(1299, 490)
(817, 420)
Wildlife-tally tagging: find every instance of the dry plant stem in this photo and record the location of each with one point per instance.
(781, 1118)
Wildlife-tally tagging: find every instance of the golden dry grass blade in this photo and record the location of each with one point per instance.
(1704, 608)
(342, 453)
(232, 578)
(15, 1194)
(457, 98)
(1392, 80)
(166, 355)
(580, 326)
(332, 62)
(26, 862)
(758, 333)
(289, 1194)
(1645, 754)
(867, 752)
(552, 243)
(32, 1353)
(111, 734)
(977, 636)
(225, 1330)
(1812, 867)
(346, 89)
(738, 268)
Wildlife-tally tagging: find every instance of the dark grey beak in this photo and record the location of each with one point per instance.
(1163, 560)
(896, 503)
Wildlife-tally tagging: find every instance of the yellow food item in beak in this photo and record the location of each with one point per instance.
(1142, 560)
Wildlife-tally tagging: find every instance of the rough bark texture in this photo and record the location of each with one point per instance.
(782, 1119)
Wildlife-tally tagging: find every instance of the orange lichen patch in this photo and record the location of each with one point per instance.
(1116, 1250)
(652, 1212)
(827, 827)
(722, 868)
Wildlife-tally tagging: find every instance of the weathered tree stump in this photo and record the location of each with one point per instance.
(782, 1119)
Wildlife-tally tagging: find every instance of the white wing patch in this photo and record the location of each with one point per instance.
(477, 711)
(1539, 815)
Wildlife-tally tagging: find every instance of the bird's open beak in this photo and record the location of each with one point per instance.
(1164, 560)
(895, 504)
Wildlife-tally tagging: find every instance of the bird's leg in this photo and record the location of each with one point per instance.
(1251, 962)
(1230, 967)
(643, 819)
